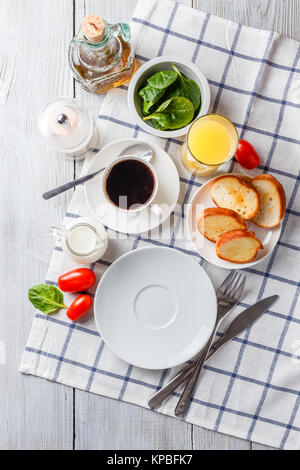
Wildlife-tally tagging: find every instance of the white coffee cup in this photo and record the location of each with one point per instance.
(155, 208)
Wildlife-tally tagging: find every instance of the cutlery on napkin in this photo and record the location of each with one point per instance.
(228, 295)
(246, 318)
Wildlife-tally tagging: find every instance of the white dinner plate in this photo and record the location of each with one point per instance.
(207, 249)
(155, 307)
(122, 221)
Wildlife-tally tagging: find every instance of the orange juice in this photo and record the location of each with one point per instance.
(212, 139)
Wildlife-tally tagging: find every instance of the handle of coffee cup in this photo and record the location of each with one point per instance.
(156, 210)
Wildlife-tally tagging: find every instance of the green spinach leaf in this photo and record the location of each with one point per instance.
(46, 298)
(162, 79)
(173, 113)
(187, 88)
(157, 125)
(150, 96)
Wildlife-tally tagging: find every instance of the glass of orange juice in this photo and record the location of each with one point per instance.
(211, 140)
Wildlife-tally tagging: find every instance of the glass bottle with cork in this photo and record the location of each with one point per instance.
(100, 55)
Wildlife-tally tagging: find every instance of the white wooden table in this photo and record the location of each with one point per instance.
(34, 39)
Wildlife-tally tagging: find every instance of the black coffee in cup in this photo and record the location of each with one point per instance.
(130, 183)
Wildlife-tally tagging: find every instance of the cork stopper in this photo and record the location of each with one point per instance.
(93, 27)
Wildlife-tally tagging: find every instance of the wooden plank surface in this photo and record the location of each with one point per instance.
(34, 38)
(34, 414)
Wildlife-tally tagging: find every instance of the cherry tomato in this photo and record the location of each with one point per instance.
(246, 155)
(77, 280)
(79, 307)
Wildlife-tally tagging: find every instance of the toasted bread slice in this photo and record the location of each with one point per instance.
(215, 221)
(238, 246)
(234, 193)
(272, 201)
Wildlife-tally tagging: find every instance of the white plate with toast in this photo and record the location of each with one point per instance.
(201, 200)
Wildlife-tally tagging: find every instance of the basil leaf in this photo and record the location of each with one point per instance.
(187, 88)
(162, 79)
(150, 96)
(173, 113)
(46, 298)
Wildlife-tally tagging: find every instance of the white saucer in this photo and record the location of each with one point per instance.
(121, 221)
(207, 249)
(155, 307)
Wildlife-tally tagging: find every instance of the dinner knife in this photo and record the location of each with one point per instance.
(243, 321)
(236, 327)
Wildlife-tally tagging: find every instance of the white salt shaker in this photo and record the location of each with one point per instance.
(67, 126)
(85, 240)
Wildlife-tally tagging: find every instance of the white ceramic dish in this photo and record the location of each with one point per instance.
(123, 221)
(155, 307)
(153, 66)
(207, 249)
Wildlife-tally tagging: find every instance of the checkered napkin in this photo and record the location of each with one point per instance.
(252, 388)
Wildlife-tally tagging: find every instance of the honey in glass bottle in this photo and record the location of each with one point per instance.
(100, 55)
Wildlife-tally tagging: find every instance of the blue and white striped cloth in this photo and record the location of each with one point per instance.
(252, 388)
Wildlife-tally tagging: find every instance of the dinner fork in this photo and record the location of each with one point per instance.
(228, 295)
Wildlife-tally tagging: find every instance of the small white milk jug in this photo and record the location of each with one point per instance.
(85, 240)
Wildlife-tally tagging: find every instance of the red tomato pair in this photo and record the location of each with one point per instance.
(78, 280)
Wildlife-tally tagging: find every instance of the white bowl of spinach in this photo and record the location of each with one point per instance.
(166, 94)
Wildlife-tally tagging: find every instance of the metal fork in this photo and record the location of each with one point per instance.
(228, 295)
